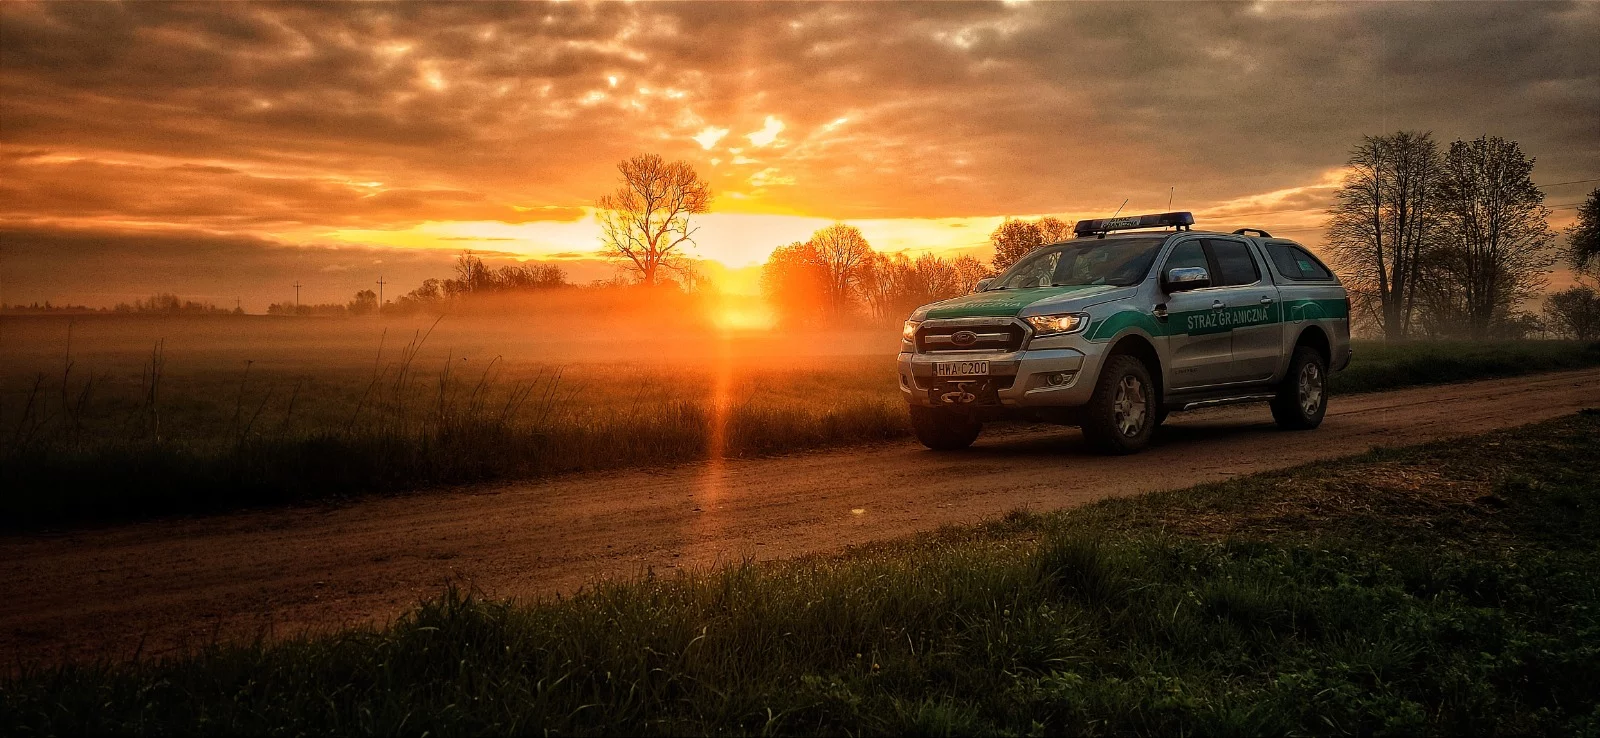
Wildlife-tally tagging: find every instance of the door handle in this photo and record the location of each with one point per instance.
(1266, 301)
(1216, 305)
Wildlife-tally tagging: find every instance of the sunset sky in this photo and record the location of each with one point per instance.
(229, 150)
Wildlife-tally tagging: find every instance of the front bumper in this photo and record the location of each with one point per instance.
(1060, 375)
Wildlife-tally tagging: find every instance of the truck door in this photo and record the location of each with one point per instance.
(1199, 346)
(1251, 310)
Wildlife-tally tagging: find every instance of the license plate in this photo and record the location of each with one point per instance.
(960, 368)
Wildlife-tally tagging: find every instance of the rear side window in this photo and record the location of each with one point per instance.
(1297, 263)
(1234, 263)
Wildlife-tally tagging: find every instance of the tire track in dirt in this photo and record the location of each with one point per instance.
(163, 586)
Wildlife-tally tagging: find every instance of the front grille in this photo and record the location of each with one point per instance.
(997, 337)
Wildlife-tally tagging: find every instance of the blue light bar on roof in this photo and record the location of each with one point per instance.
(1159, 220)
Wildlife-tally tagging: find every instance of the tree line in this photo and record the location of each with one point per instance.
(1438, 241)
(472, 277)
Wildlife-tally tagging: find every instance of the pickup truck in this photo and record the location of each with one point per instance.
(1114, 329)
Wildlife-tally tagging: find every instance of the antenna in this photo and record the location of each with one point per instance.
(1170, 190)
(1120, 207)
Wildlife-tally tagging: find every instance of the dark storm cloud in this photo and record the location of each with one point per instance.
(254, 117)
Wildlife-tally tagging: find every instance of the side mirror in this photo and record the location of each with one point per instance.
(1186, 278)
(983, 284)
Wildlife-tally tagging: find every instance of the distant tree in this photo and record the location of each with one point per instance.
(1380, 226)
(470, 274)
(795, 282)
(969, 271)
(1012, 241)
(847, 256)
(645, 223)
(935, 279)
(319, 310)
(1053, 230)
(365, 303)
(887, 287)
(1574, 312)
(431, 289)
(527, 278)
(166, 303)
(1494, 223)
(1583, 238)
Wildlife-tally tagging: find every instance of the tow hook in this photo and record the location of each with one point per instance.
(960, 396)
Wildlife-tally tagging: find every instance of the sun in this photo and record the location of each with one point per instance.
(744, 314)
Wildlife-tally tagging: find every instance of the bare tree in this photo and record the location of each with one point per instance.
(936, 278)
(886, 285)
(1583, 238)
(1012, 241)
(1379, 229)
(969, 272)
(1574, 312)
(470, 273)
(645, 222)
(1495, 225)
(1053, 229)
(847, 256)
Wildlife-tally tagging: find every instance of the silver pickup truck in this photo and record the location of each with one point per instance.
(1114, 329)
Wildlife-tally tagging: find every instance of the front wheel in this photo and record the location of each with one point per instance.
(1121, 416)
(1303, 396)
(944, 430)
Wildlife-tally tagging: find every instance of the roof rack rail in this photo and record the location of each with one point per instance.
(1257, 231)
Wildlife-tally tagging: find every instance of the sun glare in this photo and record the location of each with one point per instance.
(743, 314)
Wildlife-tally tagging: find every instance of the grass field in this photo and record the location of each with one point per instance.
(140, 418)
(1436, 590)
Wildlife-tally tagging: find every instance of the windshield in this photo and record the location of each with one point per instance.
(1120, 262)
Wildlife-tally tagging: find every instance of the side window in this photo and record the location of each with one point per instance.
(1235, 265)
(1186, 254)
(1283, 258)
(1297, 263)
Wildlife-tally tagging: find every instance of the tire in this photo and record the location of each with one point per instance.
(1303, 395)
(1121, 416)
(944, 430)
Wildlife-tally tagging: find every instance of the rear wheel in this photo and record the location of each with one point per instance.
(1121, 416)
(1303, 396)
(944, 430)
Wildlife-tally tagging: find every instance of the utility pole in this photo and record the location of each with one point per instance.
(380, 293)
(297, 297)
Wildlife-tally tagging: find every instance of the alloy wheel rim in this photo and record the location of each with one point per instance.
(1131, 406)
(1310, 389)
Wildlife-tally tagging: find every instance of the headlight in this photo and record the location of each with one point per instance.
(909, 332)
(1050, 325)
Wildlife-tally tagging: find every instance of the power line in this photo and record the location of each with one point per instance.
(1576, 181)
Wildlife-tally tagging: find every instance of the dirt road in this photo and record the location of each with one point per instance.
(171, 584)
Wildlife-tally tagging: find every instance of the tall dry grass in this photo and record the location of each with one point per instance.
(86, 447)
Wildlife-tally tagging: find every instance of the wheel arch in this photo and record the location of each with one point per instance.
(1138, 345)
(1317, 338)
